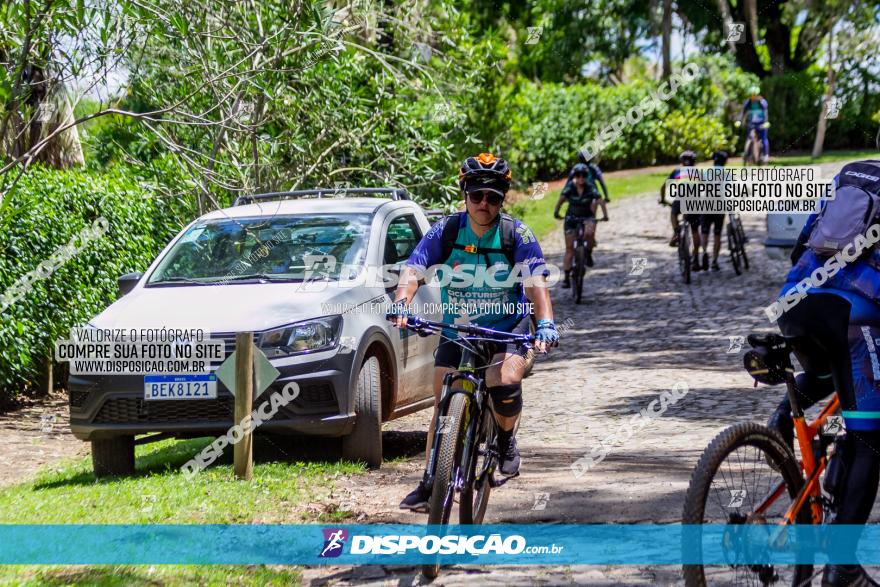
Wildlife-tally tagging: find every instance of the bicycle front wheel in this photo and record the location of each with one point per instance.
(446, 472)
(579, 270)
(478, 485)
(746, 476)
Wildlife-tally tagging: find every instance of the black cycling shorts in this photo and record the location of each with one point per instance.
(715, 221)
(449, 353)
(570, 224)
(692, 219)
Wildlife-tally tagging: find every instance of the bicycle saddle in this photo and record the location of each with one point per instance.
(767, 360)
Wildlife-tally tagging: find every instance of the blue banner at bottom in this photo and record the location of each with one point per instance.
(417, 544)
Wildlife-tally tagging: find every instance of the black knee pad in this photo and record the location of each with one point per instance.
(507, 399)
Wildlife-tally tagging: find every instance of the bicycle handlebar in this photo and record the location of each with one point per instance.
(426, 327)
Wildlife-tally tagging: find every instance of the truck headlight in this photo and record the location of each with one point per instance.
(307, 336)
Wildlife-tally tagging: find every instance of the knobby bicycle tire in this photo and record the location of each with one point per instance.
(579, 270)
(684, 252)
(475, 500)
(741, 234)
(734, 248)
(730, 439)
(448, 456)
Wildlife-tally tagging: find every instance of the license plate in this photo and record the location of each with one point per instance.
(159, 387)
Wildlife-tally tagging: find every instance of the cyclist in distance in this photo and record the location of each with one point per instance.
(713, 222)
(687, 159)
(837, 324)
(477, 239)
(596, 179)
(755, 113)
(583, 200)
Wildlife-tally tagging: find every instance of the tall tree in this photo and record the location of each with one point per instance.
(667, 38)
(781, 35)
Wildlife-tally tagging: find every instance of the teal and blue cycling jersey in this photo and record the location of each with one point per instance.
(756, 111)
(478, 283)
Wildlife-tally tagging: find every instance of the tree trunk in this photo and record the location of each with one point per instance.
(50, 109)
(667, 38)
(724, 10)
(819, 144)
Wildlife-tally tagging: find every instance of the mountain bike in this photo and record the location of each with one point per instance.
(736, 243)
(579, 266)
(748, 475)
(684, 250)
(464, 453)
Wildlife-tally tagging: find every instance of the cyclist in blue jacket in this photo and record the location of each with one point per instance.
(837, 324)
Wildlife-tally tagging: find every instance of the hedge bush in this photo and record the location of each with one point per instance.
(550, 122)
(45, 210)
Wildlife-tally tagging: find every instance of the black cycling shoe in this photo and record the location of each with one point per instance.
(695, 264)
(715, 265)
(510, 459)
(705, 261)
(589, 257)
(846, 575)
(417, 500)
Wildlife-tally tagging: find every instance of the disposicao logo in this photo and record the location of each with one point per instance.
(334, 540)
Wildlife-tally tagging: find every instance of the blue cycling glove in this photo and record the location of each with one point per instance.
(546, 331)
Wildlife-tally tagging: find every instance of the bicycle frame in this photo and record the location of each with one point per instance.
(471, 385)
(810, 467)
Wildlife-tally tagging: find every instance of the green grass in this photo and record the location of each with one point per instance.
(160, 494)
(149, 575)
(829, 157)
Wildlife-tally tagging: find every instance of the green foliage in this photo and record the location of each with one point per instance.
(550, 122)
(51, 208)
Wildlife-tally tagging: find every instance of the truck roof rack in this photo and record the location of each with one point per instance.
(394, 193)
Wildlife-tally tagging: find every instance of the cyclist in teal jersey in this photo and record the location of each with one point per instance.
(478, 239)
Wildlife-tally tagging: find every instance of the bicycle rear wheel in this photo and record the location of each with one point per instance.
(734, 246)
(478, 485)
(446, 471)
(684, 252)
(741, 233)
(737, 473)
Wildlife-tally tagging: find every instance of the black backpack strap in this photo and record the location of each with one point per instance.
(450, 233)
(508, 236)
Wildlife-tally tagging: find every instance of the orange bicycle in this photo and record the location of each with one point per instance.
(749, 475)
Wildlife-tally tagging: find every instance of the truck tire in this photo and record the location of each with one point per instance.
(364, 444)
(113, 456)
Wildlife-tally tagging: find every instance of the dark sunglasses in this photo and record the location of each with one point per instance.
(580, 175)
(492, 198)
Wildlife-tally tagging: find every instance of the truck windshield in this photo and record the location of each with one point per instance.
(283, 248)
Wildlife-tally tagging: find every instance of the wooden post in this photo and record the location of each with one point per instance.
(244, 393)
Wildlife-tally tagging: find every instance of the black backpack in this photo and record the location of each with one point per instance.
(508, 243)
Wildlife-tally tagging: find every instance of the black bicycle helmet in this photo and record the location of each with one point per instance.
(485, 172)
(720, 158)
(688, 157)
(580, 168)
